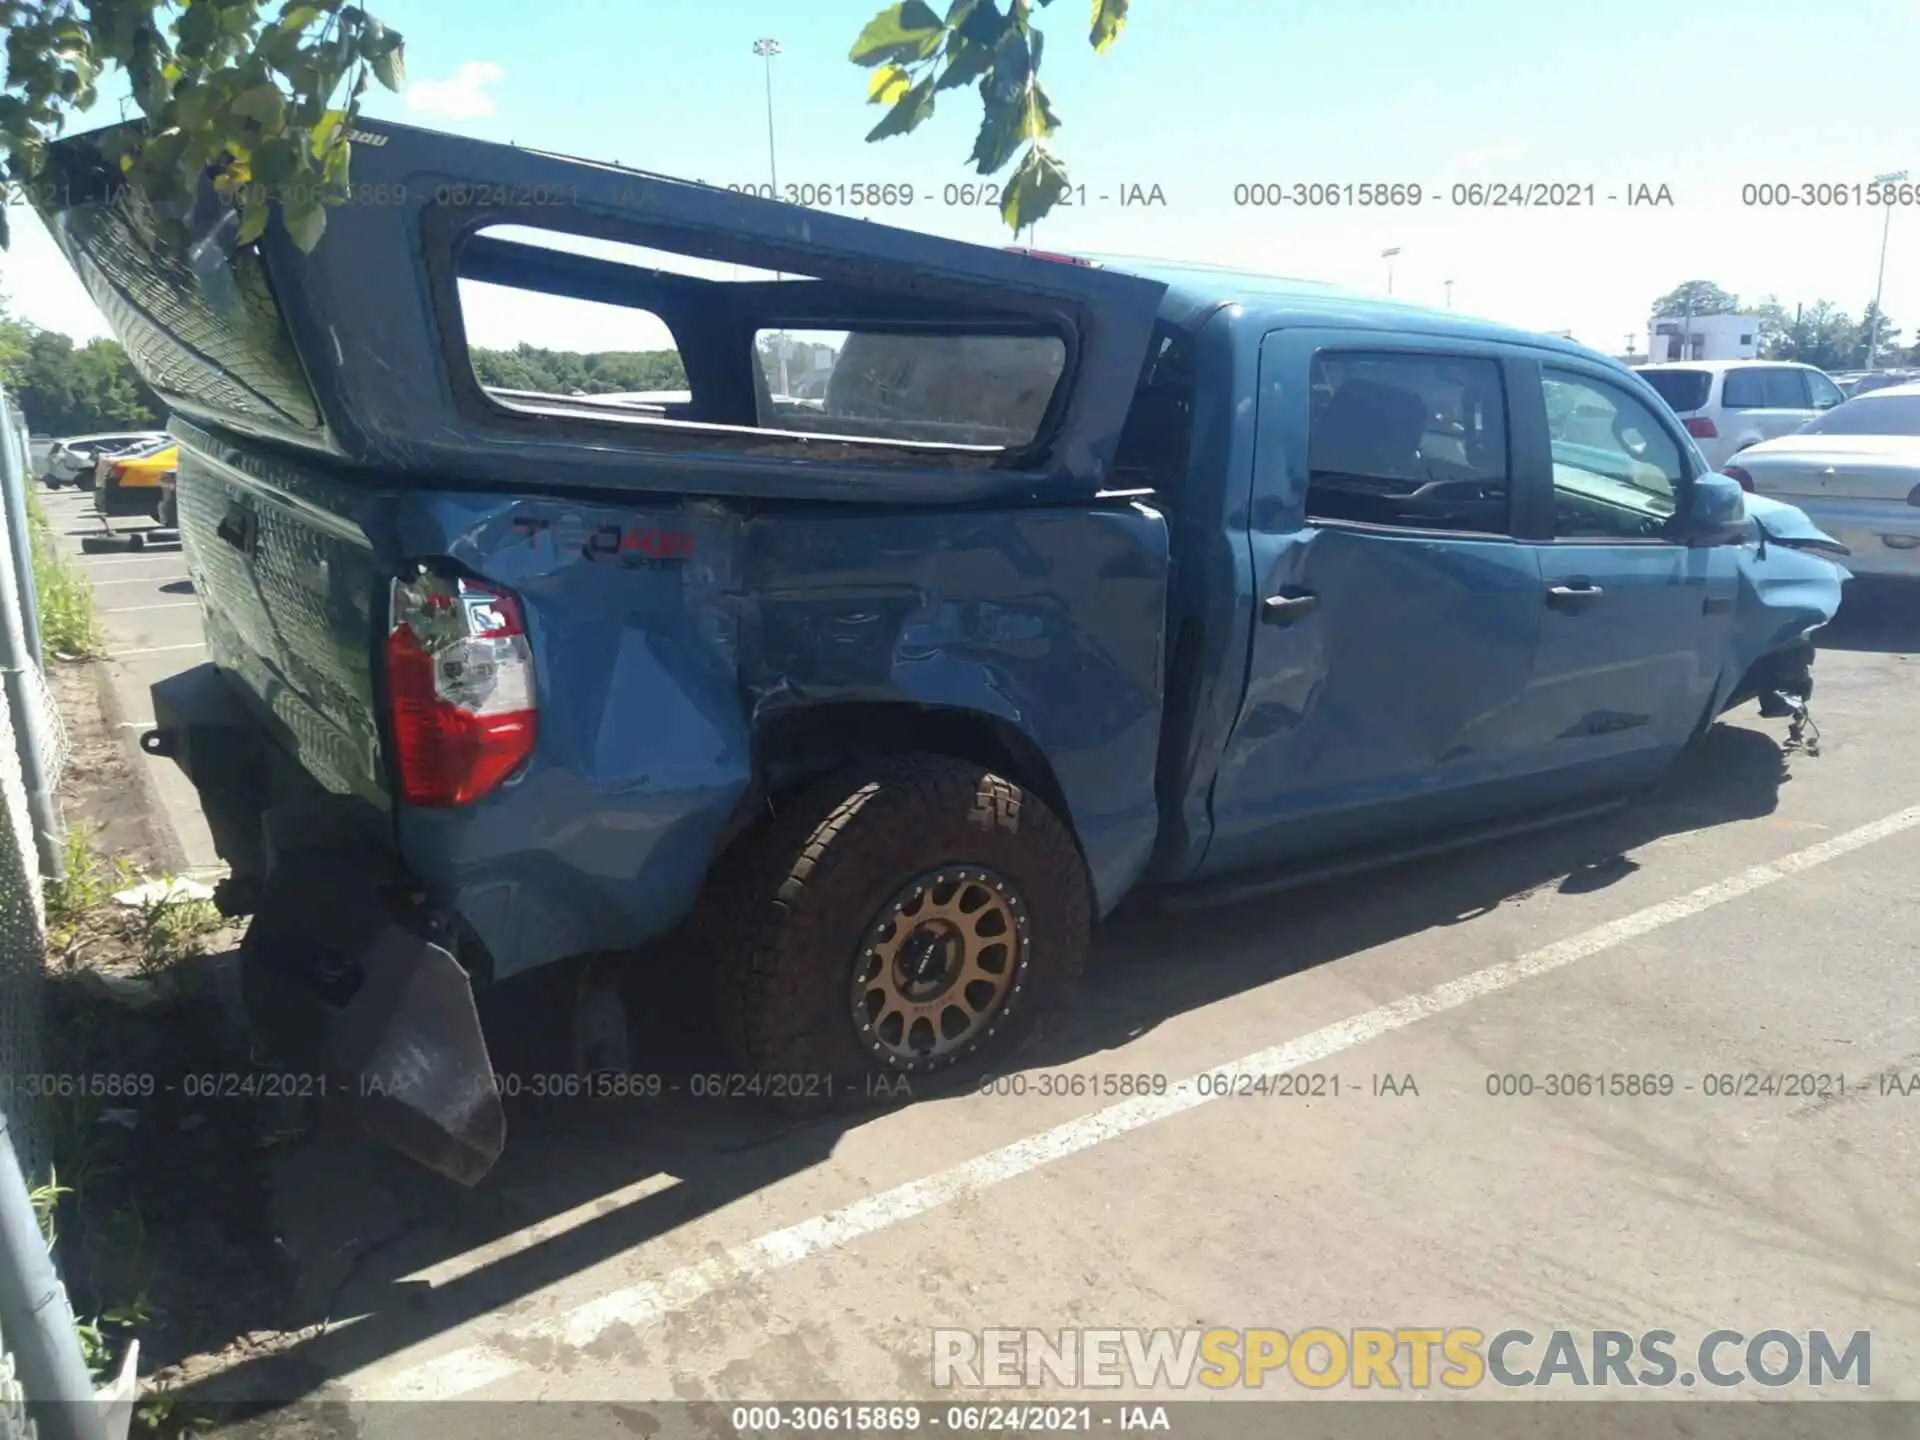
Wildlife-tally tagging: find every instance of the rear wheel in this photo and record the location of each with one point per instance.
(167, 510)
(917, 917)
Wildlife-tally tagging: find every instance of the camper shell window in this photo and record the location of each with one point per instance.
(556, 329)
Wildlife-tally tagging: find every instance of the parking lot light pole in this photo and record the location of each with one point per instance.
(1879, 285)
(766, 48)
(1387, 255)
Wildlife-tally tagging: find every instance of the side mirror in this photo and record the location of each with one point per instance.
(1716, 511)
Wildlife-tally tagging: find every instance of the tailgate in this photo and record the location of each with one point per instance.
(291, 593)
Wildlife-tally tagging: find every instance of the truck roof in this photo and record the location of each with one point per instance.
(1196, 289)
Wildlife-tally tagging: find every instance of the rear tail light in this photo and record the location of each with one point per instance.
(1734, 472)
(1701, 428)
(460, 686)
(117, 470)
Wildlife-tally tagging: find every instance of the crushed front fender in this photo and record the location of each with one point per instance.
(1790, 586)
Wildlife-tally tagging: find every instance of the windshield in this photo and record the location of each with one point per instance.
(1684, 390)
(1870, 415)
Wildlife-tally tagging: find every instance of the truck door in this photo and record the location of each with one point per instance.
(1637, 624)
(1397, 613)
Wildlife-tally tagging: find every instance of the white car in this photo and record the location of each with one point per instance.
(70, 460)
(1855, 471)
(1728, 405)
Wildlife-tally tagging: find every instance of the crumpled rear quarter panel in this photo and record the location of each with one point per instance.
(664, 636)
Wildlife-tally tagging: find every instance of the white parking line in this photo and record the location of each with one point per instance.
(142, 609)
(156, 650)
(473, 1366)
(137, 580)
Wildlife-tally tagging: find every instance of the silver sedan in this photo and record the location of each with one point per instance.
(1855, 471)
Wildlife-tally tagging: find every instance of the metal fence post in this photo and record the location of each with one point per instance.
(18, 669)
(16, 478)
(37, 1319)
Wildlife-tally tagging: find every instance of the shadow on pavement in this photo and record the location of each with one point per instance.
(597, 1173)
(1876, 615)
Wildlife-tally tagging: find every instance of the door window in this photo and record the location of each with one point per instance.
(1410, 441)
(1826, 394)
(1764, 387)
(1617, 472)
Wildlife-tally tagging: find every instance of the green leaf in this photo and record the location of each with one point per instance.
(305, 222)
(263, 104)
(1036, 187)
(297, 16)
(1001, 134)
(197, 27)
(977, 33)
(900, 33)
(324, 128)
(253, 219)
(1014, 109)
(913, 107)
(334, 168)
(965, 64)
(1109, 17)
(275, 162)
(888, 85)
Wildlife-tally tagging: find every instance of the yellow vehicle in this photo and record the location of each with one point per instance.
(131, 486)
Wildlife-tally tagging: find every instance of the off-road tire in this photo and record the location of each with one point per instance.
(792, 902)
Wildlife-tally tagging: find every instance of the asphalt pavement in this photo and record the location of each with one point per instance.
(1389, 1150)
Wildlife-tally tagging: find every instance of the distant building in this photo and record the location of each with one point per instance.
(1703, 337)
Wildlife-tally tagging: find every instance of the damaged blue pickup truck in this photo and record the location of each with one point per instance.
(960, 592)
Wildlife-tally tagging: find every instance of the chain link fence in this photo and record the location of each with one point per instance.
(39, 1347)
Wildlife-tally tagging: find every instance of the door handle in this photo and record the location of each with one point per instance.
(1283, 609)
(1572, 597)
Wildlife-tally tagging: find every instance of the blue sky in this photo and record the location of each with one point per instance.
(1699, 97)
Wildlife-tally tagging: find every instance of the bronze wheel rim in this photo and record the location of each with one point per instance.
(940, 968)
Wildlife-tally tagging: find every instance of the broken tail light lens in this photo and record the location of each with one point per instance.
(1701, 427)
(1734, 472)
(461, 688)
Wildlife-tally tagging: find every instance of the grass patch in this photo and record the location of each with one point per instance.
(69, 624)
(82, 914)
(120, 1156)
(77, 896)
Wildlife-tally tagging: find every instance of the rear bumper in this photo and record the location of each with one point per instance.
(1884, 535)
(345, 976)
(112, 499)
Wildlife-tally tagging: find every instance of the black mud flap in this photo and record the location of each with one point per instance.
(338, 984)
